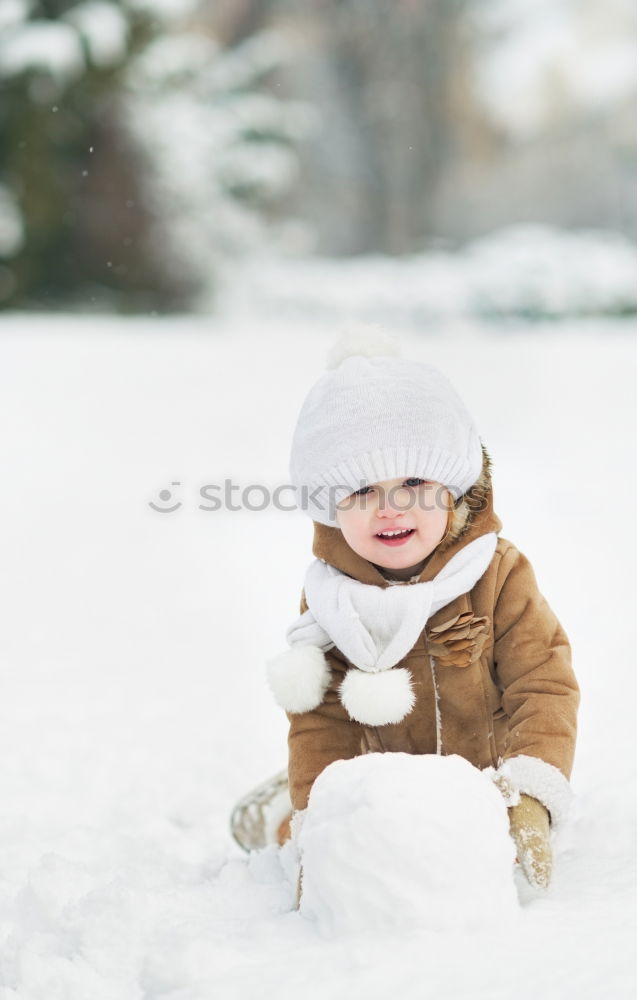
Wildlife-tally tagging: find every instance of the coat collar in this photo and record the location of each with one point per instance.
(330, 546)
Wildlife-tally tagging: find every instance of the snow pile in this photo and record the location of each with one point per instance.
(535, 270)
(529, 271)
(398, 841)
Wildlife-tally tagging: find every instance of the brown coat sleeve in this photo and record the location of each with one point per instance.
(320, 737)
(533, 665)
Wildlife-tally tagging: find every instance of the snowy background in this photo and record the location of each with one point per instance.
(134, 710)
(151, 151)
(194, 200)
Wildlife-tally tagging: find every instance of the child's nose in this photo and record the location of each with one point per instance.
(391, 502)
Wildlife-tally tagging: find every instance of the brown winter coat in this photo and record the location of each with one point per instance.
(496, 660)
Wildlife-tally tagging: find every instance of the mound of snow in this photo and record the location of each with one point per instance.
(398, 841)
(531, 272)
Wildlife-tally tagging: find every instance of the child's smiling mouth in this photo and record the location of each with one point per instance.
(395, 537)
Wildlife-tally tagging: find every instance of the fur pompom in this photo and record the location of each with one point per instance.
(365, 340)
(377, 699)
(299, 678)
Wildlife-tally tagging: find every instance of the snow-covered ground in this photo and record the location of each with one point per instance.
(133, 703)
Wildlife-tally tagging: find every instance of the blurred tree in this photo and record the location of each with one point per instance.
(384, 77)
(135, 153)
(235, 20)
(441, 120)
(214, 145)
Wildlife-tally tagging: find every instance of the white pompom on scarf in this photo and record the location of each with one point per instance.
(299, 678)
(377, 699)
(374, 628)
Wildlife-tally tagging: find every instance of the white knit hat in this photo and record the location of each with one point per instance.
(375, 417)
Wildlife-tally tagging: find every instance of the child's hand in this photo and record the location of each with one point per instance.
(529, 827)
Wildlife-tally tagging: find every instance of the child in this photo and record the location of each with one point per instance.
(421, 629)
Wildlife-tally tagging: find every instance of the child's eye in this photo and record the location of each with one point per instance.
(362, 491)
(415, 482)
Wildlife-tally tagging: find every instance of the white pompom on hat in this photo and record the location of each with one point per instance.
(374, 416)
(366, 341)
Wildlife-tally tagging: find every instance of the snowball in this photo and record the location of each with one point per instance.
(399, 841)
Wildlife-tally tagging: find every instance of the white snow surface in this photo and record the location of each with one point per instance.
(134, 709)
(397, 841)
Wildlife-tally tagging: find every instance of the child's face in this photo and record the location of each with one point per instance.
(415, 506)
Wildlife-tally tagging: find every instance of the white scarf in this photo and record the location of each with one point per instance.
(374, 627)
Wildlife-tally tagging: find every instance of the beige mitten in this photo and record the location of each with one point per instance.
(529, 826)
